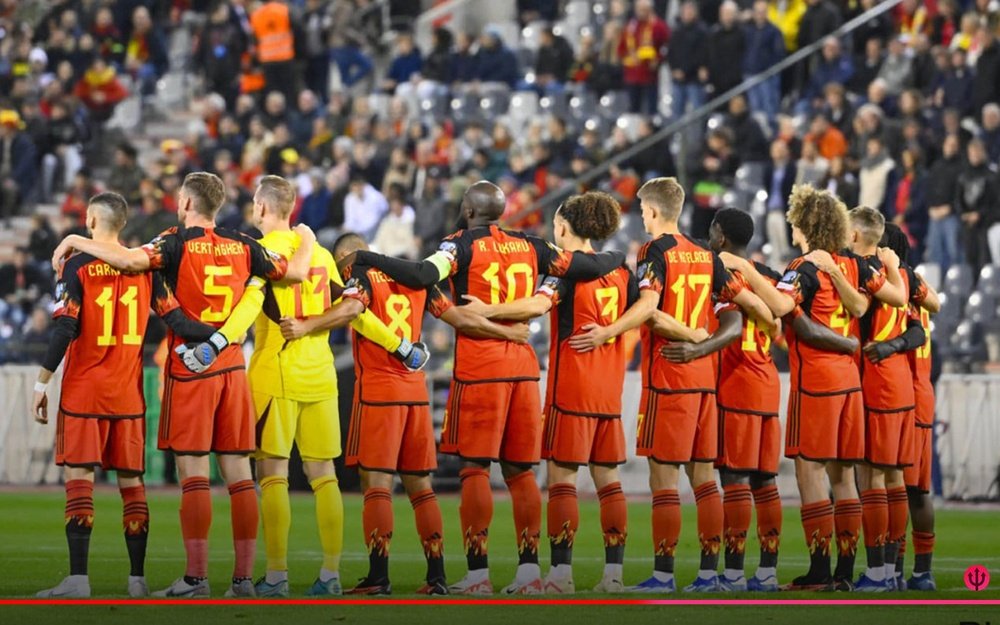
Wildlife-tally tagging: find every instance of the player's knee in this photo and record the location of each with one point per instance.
(415, 483)
(375, 479)
(604, 475)
(729, 478)
(129, 479)
(701, 473)
(510, 469)
(560, 473)
(315, 468)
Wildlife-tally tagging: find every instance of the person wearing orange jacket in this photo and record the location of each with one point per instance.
(273, 28)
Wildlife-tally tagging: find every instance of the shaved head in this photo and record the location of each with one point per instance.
(347, 244)
(483, 202)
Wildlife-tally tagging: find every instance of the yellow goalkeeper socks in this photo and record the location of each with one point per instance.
(277, 514)
(330, 519)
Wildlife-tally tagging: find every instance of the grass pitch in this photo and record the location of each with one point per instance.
(33, 551)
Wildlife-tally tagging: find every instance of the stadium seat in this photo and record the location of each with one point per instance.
(629, 122)
(525, 57)
(958, 281)
(531, 35)
(613, 104)
(989, 280)
(554, 104)
(967, 344)
(931, 273)
(981, 308)
(951, 312)
(582, 106)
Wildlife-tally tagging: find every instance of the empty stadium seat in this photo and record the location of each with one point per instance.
(613, 104)
(931, 273)
(958, 281)
(582, 106)
(981, 308)
(554, 104)
(989, 280)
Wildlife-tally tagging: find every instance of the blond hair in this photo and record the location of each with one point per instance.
(278, 193)
(820, 216)
(666, 194)
(207, 190)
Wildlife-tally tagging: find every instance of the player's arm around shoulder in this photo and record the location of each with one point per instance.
(131, 260)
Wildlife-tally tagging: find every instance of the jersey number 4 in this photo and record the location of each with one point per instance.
(107, 303)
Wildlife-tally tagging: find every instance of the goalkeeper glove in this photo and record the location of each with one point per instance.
(879, 351)
(414, 356)
(199, 358)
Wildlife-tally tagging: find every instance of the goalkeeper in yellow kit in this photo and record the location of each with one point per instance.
(294, 388)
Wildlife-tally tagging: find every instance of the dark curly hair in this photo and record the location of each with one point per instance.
(592, 215)
(821, 217)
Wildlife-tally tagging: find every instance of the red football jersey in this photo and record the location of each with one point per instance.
(208, 269)
(685, 274)
(888, 384)
(748, 379)
(102, 374)
(920, 366)
(587, 384)
(381, 378)
(816, 370)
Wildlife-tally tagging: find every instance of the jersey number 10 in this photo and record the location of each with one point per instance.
(492, 275)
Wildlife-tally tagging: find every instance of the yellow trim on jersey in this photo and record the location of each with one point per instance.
(245, 312)
(368, 325)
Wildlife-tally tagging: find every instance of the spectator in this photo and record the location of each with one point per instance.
(990, 133)
(42, 242)
(18, 164)
(978, 204)
(364, 207)
(78, 195)
(21, 282)
(765, 48)
(749, 141)
(353, 65)
(437, 71)
(100, 90)
(146, 53)
(406, 64)
(561, 145)
(877, 177)
(36, 339)
(956, 86)
(394, 236)
(834, 67)
(897, 67)
(641, 48)
(607, 73)
(688, 60)
(152, 218)
(494, 61)
(986, 82)
(554, 58)
(654, 161)
(944, 25)
(275, 110)
(317, 23)
(714, 176)
(463, 61)
(819, 20)
(108, 40)
(429, 224)
(910, 205)
(879, 28)
(400, 173)
(841, 182)
(315, 211)
(811, 168)
(830, 142)
(726, 44)
(220, 50)
(275, 44)
(60, 149)
(126, 176)
(779, 177)
(302, 119)
(837, 108)
(866, 67)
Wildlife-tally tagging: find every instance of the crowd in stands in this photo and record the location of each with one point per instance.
(901, 115)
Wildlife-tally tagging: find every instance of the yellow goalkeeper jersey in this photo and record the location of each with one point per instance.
(302, 369)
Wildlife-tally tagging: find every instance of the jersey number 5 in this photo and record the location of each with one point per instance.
(211, 289)
(492, 275)
(128, 300)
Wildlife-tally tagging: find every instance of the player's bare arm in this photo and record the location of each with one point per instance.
(518, 310)
(595, 335)
(298, 264)
(339, 315)
(474, 325)
(730, 329)
(819, 336)
(65, 329)
(855, 302)
(779, 303)
(665, 325)
(755, 307)
(931, 302)
(913, 338)
(893, 292)
(132, 260)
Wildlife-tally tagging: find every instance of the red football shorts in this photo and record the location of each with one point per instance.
(575, 439)
(918, 474)
(112, 444)
(889, 437)
(749, 442)
(397, 438)
(675, 428)
(825, 427)
(494, 421)
(210, 414)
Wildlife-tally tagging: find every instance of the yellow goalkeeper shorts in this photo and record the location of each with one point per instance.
(313, 426)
